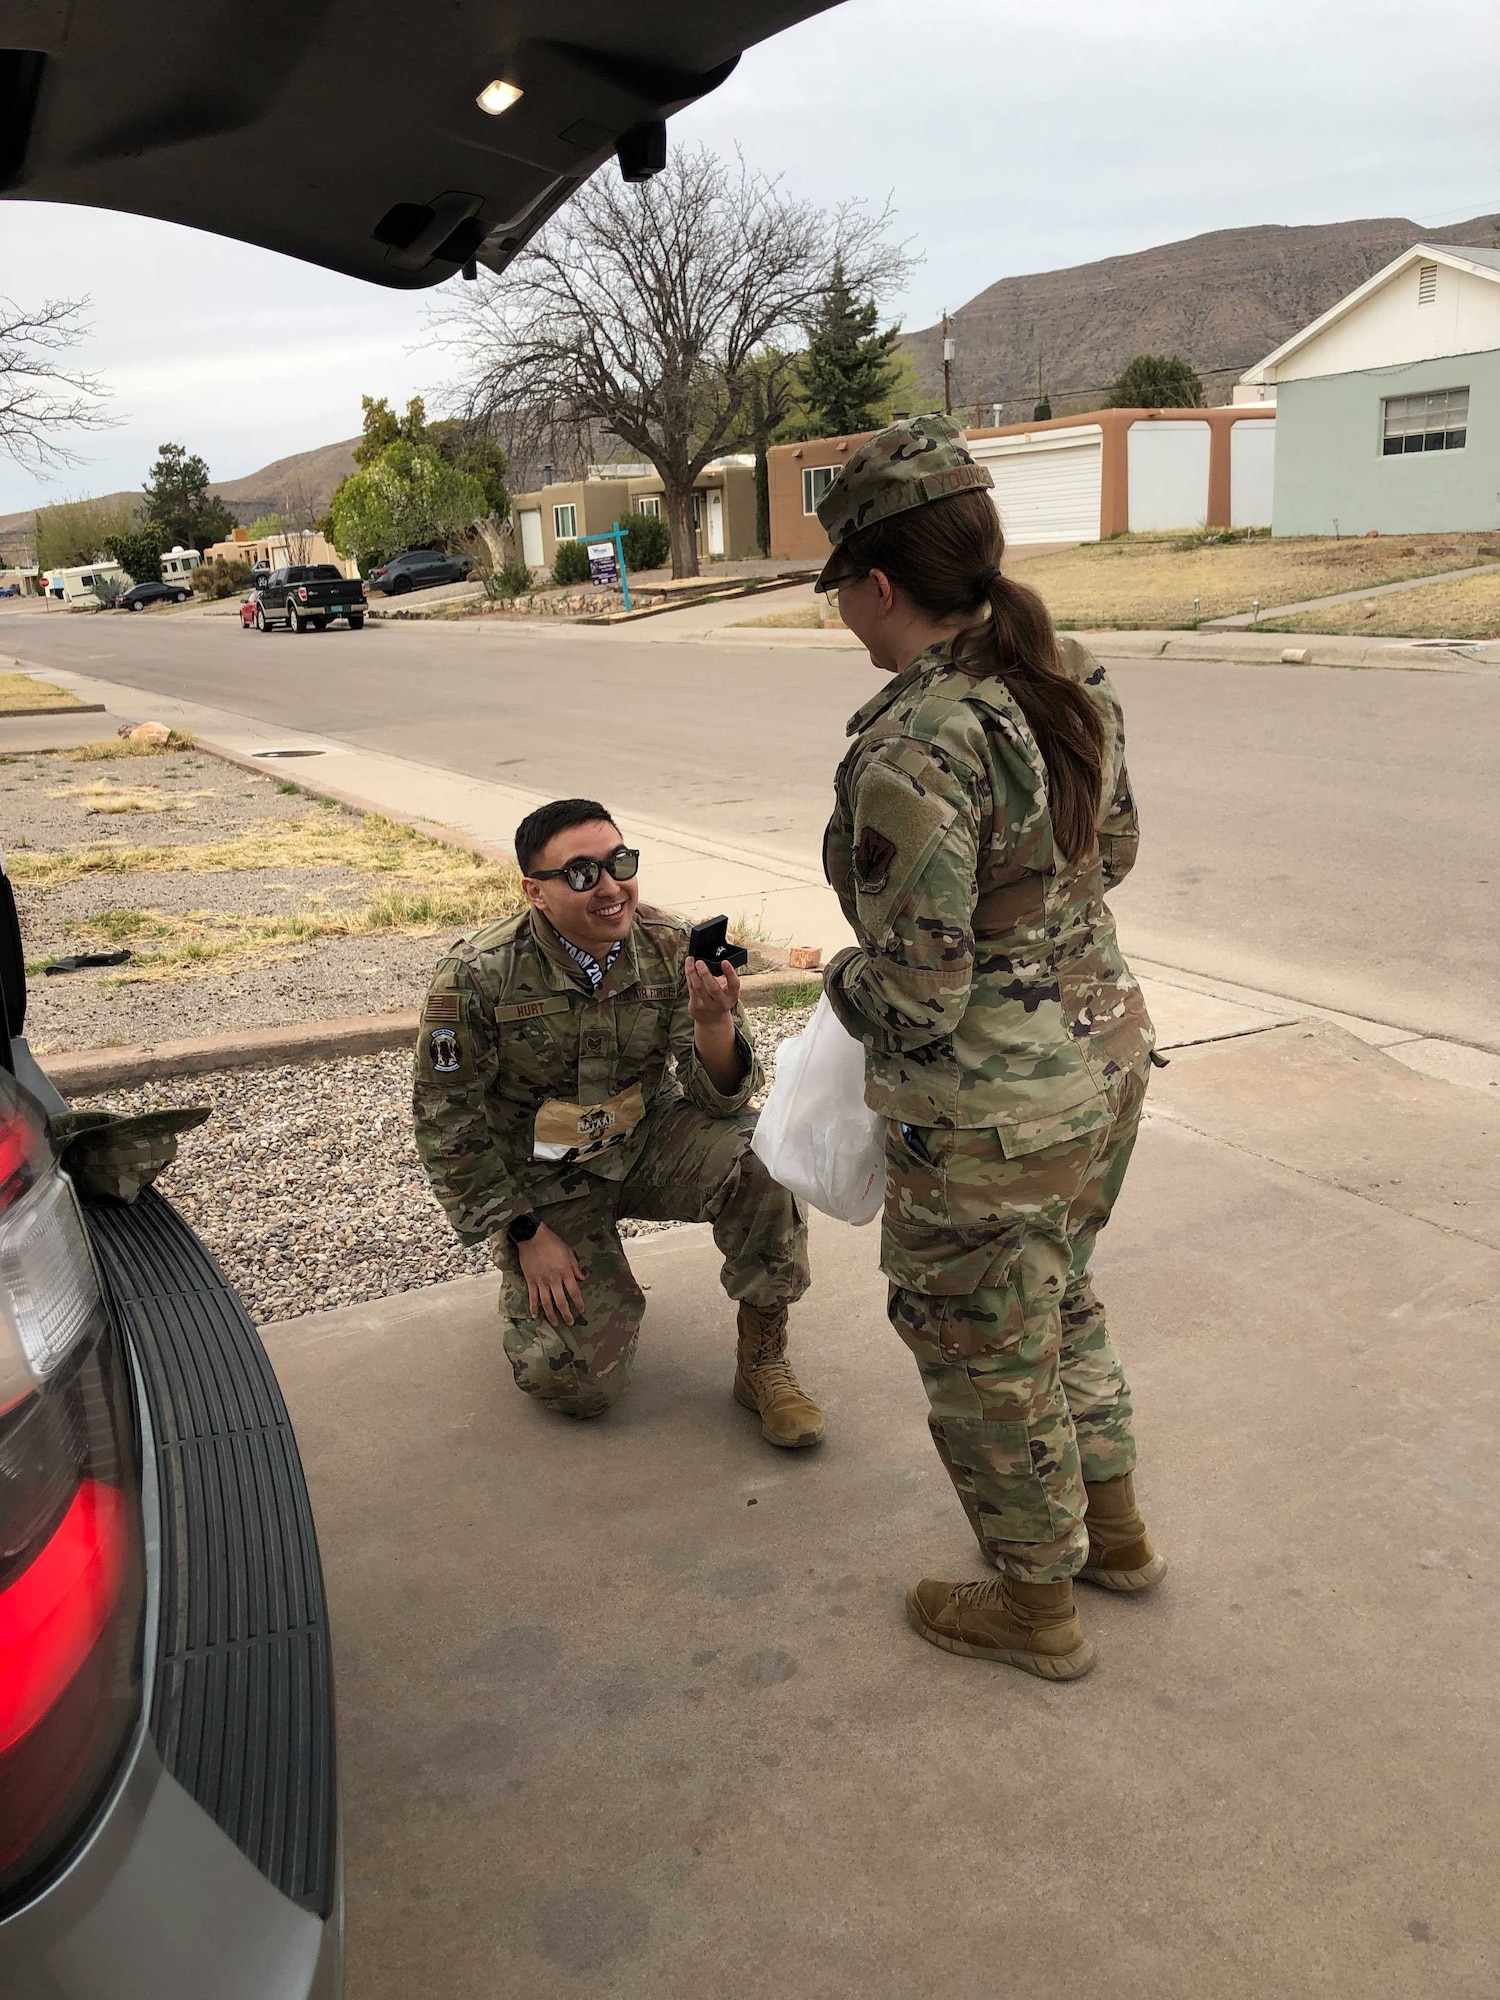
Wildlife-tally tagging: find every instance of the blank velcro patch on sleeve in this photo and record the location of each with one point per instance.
(898, 826)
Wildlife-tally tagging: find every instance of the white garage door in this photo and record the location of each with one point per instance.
(1046, 491)
(531, 536)
(1252, 467)
(1168, 475)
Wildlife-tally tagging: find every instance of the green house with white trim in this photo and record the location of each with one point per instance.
(1388, 406)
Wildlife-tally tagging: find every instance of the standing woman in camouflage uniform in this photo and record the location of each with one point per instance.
(980, 815)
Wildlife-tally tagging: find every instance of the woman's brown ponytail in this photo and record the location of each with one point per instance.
(946, 557)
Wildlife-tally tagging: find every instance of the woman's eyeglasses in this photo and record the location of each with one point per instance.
(583, 871)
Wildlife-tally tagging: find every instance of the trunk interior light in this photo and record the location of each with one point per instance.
(48, 1290)
(497, 97)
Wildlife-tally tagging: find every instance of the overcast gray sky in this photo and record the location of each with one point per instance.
(1009, 137)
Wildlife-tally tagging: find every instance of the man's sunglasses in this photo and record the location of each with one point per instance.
(583, 871)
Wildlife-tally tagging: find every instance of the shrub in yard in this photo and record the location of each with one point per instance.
(220, 578)
(648, 543)
(512, 580)
(572, 563)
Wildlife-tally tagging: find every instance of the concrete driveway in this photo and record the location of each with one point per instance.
(631, 1708)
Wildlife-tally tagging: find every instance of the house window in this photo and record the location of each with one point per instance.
(1426, 284)
(816, 480)
(1438, 421)
(650, 505)
(565, 523)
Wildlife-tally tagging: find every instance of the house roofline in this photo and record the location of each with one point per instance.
(1419, 253)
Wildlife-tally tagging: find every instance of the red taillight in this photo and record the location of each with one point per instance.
(72, 1555)
(302, 593)
(51, 1616)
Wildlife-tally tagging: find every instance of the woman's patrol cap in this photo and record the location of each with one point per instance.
(905, 465)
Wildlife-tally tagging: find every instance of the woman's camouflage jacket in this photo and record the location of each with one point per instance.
(987, 984)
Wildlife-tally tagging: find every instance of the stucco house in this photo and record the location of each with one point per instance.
(1071, 479)
(571, 509)
(1388, 405)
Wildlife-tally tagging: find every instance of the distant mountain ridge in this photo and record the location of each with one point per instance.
(304, 482)
(1222, 300)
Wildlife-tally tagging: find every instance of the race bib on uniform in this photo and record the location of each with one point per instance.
(574, 1132)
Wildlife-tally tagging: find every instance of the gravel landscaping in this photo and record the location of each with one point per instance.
(306, 1186)
(99, 810)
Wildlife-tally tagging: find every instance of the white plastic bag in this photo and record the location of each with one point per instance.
(817, 1136)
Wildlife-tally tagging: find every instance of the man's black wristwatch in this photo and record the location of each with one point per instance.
(524, 1227)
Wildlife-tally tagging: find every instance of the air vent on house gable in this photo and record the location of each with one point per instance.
(1426, 284)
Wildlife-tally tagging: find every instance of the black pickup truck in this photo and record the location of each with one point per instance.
(305, 596)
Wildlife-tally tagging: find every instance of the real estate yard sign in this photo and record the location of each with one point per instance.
(607, 561)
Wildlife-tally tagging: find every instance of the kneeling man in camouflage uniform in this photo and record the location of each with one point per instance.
(574, 1067)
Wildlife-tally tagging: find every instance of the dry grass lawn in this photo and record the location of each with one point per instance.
(801, 618)
(431, 886)
(1139, 580)
(1466, 610)
(22, 691)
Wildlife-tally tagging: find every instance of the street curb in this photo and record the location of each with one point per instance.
(71, 708)
(77, 1072)
(81, 1072)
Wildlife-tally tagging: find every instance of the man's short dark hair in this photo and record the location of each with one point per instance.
(547, 822)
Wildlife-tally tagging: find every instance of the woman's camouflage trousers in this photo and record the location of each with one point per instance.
(693, 1169)
(992, 1293)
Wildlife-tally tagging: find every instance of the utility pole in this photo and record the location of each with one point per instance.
(948, 347)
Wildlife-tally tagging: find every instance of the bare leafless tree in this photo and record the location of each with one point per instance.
(297, 526)
(41, 397)
(641, 308)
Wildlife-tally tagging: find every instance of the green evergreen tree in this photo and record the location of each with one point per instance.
(138, 552)
(849, 368)
(1157, 382)
(177, 499)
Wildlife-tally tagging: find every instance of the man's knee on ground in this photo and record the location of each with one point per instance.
(578, 1382)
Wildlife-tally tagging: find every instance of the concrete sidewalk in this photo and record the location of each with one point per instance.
(631, 1708)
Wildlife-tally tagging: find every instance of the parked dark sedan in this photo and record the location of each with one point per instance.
(141, 594)
(416, 570)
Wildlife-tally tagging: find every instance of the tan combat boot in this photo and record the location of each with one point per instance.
(1120, 1554)
(764, 1382)
(1028, 1625)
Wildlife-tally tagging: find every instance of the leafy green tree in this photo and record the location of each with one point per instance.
(1157, 382)
(77, 531)
(470, 447)
(138, 552)
(265, 527)
(408, 498)
(177, 499)
(848, 369)
(382, 428)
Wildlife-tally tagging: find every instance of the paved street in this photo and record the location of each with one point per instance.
(1324, 834)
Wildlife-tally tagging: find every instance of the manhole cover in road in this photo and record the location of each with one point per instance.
(286, 753)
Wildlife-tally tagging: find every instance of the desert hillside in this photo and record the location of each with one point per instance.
(1223, 300)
